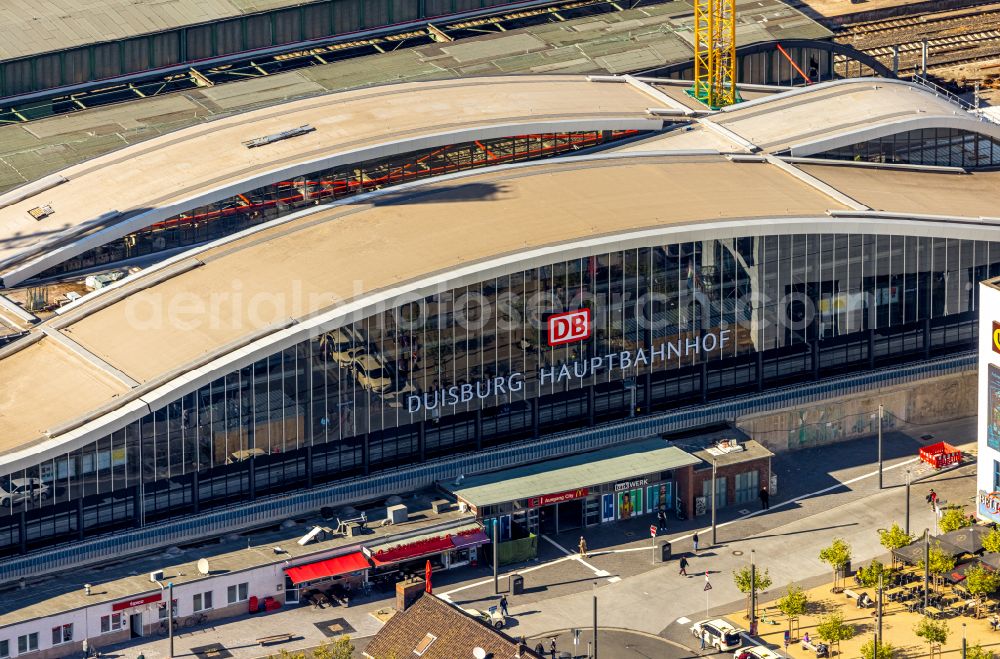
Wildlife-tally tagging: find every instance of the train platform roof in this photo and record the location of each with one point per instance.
(634, 39)
(107, 197)
(163, 172)
(163, 332)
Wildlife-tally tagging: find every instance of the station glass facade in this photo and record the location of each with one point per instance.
(472, 368)
(948, 147)
(256, 206)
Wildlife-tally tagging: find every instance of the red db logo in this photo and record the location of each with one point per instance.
(568, 327)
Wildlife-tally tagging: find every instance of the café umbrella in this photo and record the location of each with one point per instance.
(427, 576)
(969, 538)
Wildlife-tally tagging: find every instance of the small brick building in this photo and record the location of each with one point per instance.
(743, 467)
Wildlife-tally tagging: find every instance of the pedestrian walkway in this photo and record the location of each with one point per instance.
(844, 502)
(823, 493)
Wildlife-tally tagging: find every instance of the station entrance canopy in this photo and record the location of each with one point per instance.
(548, 481)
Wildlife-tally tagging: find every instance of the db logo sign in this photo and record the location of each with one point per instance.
(996, 336)
(569, 327)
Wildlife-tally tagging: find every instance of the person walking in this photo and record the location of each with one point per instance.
(683, 564)
(765, 497)
(540, 649)
(932, 498)
(661, 520)
(694, 539)
(583, 548)
(503, 605)
(552, 647)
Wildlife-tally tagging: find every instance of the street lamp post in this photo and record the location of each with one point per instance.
(496, 554)
(927, 564)
(878, 617)
(907, 502)
(714, 490)
(753, 595)
(880, 410)
(964, 646)
(595, 621)
(170, 616)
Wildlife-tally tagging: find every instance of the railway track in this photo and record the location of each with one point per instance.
(947, 43)
(957, 36)
(923, 20)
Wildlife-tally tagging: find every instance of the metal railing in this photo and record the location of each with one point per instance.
(938, 90)
(240, 517)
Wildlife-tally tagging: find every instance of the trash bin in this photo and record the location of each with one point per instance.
(663, 550)
(516, 584)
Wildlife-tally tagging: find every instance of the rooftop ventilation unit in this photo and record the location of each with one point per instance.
(40, 212)
(277, 137)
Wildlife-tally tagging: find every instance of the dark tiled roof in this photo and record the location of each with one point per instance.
(457, 634)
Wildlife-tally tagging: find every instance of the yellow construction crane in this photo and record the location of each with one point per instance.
(715, 52)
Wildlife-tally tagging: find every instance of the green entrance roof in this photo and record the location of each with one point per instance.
(581, 470)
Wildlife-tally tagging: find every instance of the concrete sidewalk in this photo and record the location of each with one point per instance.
(635, 594)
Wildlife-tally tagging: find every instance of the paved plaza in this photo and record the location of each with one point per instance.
(823, 493)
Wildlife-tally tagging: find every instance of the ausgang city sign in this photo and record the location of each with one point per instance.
(621, 361)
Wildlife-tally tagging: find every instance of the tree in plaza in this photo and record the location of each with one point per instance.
(885, 650)
(837, 556)
(342, 648)
(285, 654)
(952, 519)
(977, 652)
(940, 562)
(894, 538)
(741, 578)
(981, 582)
(792, 605)
(991, 541)
(934, 632)
(868, 576)
(832, 629)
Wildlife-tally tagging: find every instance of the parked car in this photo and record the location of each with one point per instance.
(245, 454)
(757, 652)
(718, 634)
(343, 345)
(371, 373)
(492, 617)
(16, 490)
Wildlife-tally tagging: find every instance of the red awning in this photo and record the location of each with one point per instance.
(331, 567)
(423, 547)
(470, 539)
(428, 546)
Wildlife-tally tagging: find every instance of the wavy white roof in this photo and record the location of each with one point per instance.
(112, 359)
